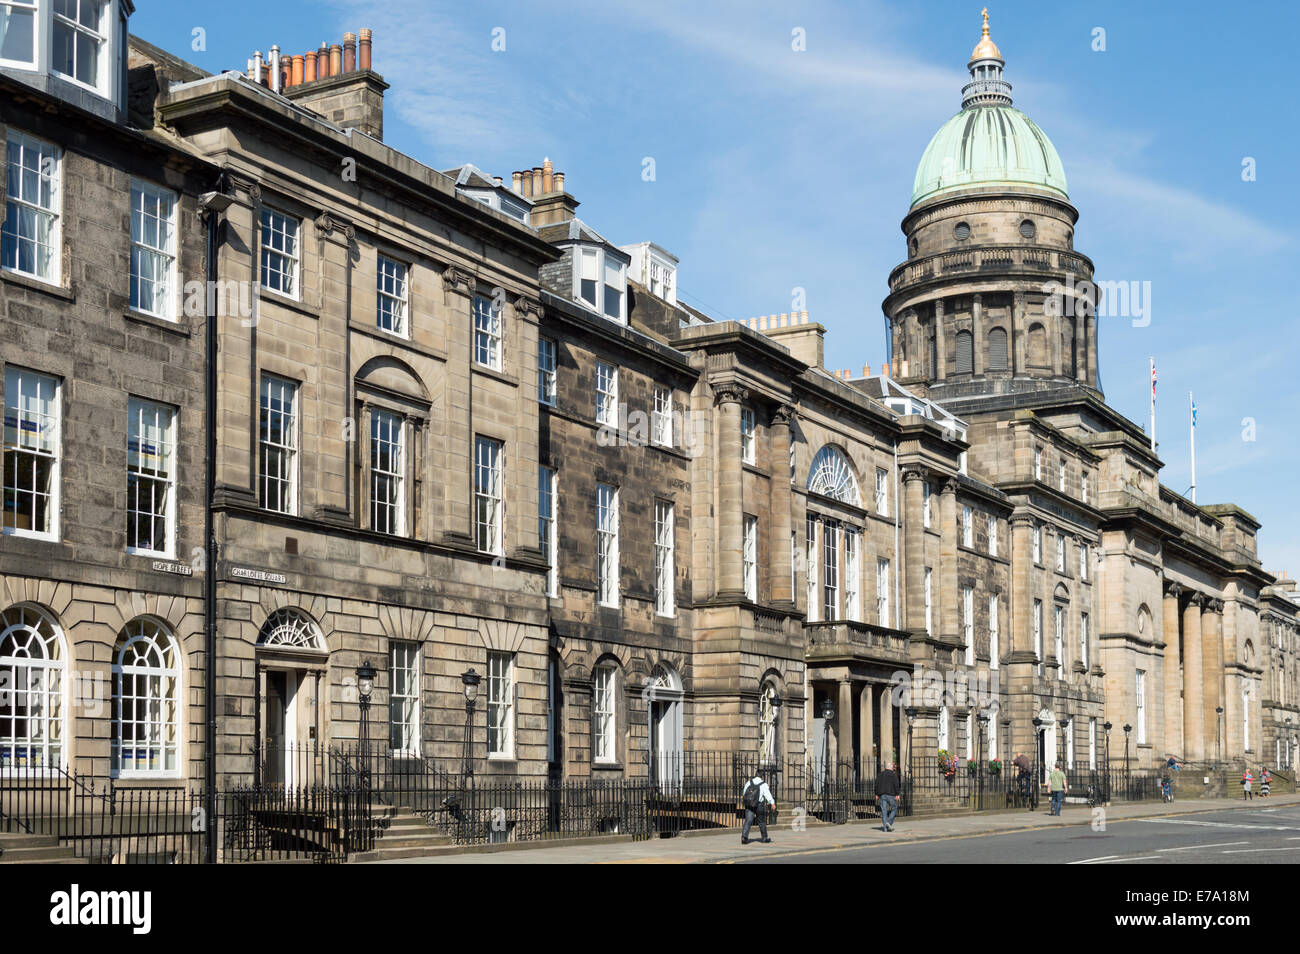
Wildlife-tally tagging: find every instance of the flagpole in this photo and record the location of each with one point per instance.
(1153, 404)
(1191, 412)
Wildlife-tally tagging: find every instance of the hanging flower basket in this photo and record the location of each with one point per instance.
(947, 764)
(995, 767)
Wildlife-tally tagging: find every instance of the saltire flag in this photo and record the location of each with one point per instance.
(1193, 412)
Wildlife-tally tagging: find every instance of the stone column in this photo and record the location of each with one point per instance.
(914, 550)
(977, 333)
(866, 729)
(1092, 346)
(1173, 672)
(1212, 677)
(887, 750)
(727, 399)
(941, 370)
(1193, 681)
(1081, 347)
(782, 501)
(947, 570)
(844, 722)
(364, 507)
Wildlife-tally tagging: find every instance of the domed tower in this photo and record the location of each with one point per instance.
(989, 300)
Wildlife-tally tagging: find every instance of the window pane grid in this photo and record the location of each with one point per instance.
(661, 431)
(487, 333)
(604, 706)
(404, 698)
(546, 371)
(31, 692)
(151, 477)
(387, 487)
(546, 536)
(31, 452)
(280, 253)
(664, 558)
(30, 242)
(146, 676)
(606, 394)
(391, 295)
(750, 558)
(78, 44)
(500, 703)
(278, 437)
(153, 249)
(487, 495)
(607, 544)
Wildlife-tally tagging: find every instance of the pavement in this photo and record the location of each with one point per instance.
(1197, 830)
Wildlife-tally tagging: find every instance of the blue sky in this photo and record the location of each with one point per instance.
(777, 169)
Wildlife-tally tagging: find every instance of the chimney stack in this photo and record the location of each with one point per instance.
(349, 52)
(365, 48)
(517, 182)
(309, 66)
(275, 68)
(295, 73)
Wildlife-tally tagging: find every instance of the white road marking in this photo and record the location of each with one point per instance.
(1210, 824)
(1220, 844)
(1239, 851)
(1093, 861)
(1120, 861)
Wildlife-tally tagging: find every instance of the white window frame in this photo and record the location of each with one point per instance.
(882, 492)
(547, 524)
(925, 504)
(607, 544)
(929, 601)
(404, 697)
(387, 445)
(665, 558)
(284, 252)
(285, 450)
(35, 669)
(661, 418)
(852, 573)
(1038, 545)
(749, 558)
(153, 203)
(1084, 489)
(1083, 560)
(1058, 634)
(1038, 463)
(1061, 474)
(606, 394)
(156, 481)
(605, 714)
(1085, 655)
(20, 447)
(392, 295)
(31, 8)
(489, 333)
(813, 595)
(993, 535)
(158, 693)
(546, 363)
(968, 622)
(1060, 553)
(967, 526)
(747, 426)
(1140, 703)
(602, 262)
(501, 705)
(1038, 637)
(101, 37)
(1092, 743)
(882, 592)
(47, 154)
(994, 649)
(489, 500)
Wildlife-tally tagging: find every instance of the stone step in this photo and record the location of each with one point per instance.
(36, 850)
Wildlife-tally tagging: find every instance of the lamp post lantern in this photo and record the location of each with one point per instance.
(1218, 735)
(1127, 771)
(365, 686)
(982, 717)
(1106, 794)
(910, 712)
(828, 713)
(469, 681)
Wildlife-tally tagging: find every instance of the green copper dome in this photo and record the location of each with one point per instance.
(988, 145)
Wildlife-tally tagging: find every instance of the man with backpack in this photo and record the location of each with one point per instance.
(756, 797)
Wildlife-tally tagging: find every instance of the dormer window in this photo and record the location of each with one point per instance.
(602, 282)
(76, 40)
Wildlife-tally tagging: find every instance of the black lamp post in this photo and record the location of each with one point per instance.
(1107, 726)
(469, 681)
(365, 686)
(1062, 754)
(910, 712)
(1127, 772)
(981, 717)
(1218, 735)
(828, 713)
(1038, 772)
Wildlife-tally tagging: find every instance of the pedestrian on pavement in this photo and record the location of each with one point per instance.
(888, 791)
(1264, 779)
(1173, 764)
(1246, 779)
(756, 797)
(1057, 785)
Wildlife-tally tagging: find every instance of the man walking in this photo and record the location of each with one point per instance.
(888, 790)
(756, 797)
(1058, 787)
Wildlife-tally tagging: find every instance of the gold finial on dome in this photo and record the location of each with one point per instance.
(986, 48)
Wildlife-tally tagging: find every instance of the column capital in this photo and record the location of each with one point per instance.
(729, 394)
(950, 486)
(528, 306)
(1197, 599)
(784, 415)
(456, 279)
(912, 472)
(1021, 519)
(1172, 590)
(1213, 605)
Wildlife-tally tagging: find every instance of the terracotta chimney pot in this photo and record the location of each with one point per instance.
(336, 59)
(366, 42)
(349, 52)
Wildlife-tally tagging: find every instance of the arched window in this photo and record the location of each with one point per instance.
(998, 350)
(290, 629)
(769, 710)
(965, 352)
(1037, 357)
(146, 701)
(32, 666)
(832, 476)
